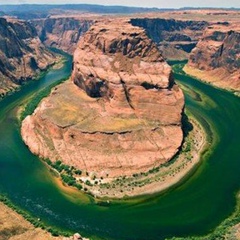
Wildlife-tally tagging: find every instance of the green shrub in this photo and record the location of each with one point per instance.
(69, 180)
(78, 172)
(78, 186)
(88, 183)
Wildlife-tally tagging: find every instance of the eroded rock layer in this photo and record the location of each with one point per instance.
(22, 55)
(122, 115)
(216, 58)
(62, 32)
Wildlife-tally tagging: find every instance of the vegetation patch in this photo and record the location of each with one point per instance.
(68, 174)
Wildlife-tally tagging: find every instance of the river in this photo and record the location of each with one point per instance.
(204, 199)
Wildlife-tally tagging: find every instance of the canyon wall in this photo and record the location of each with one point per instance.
(216, 58)
(175, 38)
(120, 113)
(22, 55)
(62, 32)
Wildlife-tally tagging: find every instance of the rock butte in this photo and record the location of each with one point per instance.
(122, 115)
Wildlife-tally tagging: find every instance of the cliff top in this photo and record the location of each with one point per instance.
(117, 52)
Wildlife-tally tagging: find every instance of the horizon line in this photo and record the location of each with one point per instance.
(91, 4)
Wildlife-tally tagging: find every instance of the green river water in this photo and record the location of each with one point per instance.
(204, 199)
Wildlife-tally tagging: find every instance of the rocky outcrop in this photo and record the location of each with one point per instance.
(62, 32)
(122, 115)
(22, 55)
(216, 58)
(175, 38)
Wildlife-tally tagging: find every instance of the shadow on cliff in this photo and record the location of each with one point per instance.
(187, 126)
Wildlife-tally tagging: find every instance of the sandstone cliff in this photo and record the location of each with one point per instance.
(175, 38)
(22, 55)
(122, 115)
(62, 32)
(216, 58)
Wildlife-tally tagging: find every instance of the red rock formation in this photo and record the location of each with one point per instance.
(216, 57)
(126, 116)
